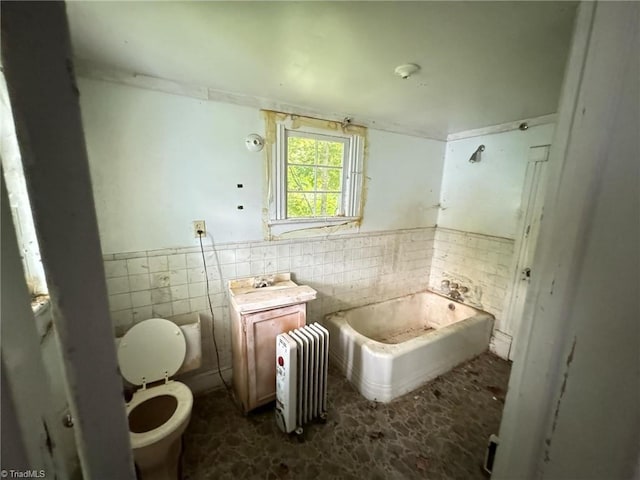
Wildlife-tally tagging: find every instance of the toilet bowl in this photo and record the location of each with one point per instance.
(159, 412)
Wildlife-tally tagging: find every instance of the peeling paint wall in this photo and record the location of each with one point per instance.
(58, 401)
(595, 430)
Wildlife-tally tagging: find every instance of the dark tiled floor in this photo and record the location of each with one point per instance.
(439, 431)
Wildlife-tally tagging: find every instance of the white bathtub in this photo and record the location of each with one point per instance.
(390, 348)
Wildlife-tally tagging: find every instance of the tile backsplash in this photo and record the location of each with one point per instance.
(347, 271)
(480, 262)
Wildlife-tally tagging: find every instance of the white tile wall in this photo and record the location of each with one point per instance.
(347, 271)
(480, 262)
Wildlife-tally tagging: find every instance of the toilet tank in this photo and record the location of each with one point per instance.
(190, 325)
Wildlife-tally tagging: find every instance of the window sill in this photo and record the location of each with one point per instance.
(298, 228)
(317, 222)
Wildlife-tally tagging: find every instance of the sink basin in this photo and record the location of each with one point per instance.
(280, 292)
(242, 286)
(270, 288)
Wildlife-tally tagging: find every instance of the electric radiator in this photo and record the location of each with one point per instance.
(302, 361)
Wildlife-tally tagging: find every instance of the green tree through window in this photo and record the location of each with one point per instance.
(314, 177)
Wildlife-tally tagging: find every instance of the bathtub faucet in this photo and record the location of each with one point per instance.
(454, 290)
(455, 295)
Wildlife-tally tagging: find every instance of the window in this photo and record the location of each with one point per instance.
(317, 174)
(314, 166)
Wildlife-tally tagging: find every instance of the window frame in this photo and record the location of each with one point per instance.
(352, 167)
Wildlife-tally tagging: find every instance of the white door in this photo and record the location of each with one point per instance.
(532, 206)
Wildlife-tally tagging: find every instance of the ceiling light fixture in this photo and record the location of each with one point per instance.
(406, 70)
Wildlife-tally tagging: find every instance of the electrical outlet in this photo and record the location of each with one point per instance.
(198, 225)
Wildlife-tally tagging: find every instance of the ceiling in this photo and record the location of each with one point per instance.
(483, 63)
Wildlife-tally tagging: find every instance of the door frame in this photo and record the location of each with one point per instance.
(36, 53)
(532, 207)
(536, 412)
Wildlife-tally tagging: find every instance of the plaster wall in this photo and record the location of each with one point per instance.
(485, 197)
(160, 161)
(403, 178)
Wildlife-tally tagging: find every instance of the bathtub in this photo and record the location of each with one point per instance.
(390, 348)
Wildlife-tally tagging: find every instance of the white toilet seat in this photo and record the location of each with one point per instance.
(184, 397)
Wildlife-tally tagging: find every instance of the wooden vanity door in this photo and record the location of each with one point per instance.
(262, 329)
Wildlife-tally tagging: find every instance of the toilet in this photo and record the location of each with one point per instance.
(149, 354)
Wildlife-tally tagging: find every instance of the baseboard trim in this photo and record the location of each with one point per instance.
(500, 344)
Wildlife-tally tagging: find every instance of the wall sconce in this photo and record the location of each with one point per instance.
(476, 156)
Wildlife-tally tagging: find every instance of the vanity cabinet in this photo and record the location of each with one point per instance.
(257, 317)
